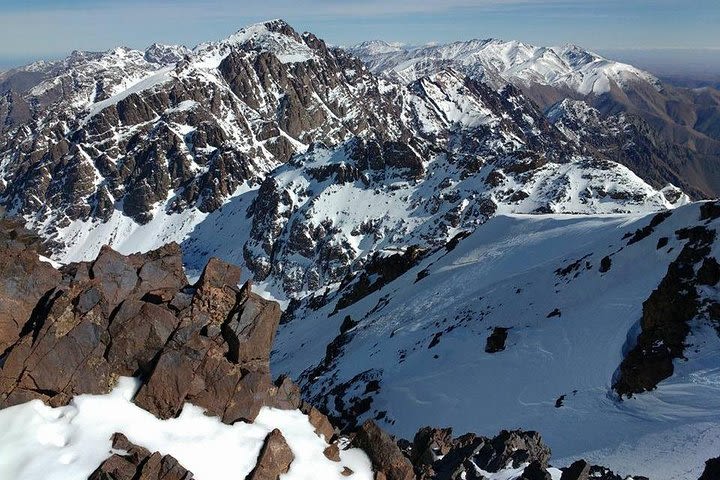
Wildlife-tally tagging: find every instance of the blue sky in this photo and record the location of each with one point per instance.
(31, 29)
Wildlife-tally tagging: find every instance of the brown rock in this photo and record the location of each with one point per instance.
(286, 394)
(519, 447)
(163, 467)
(274, 459)
(430, 444)
(332, 452)
(137, 463)
(116, 467)
(135, 315)
(24, 281)
(138, 331)
(384, 453)
(317, 419)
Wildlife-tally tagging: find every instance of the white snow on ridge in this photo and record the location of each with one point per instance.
(155, 78)
(496, 61)
(38, 442)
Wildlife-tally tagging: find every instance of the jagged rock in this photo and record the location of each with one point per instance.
(318, 420)
(24, 281)
(274, 459)
(712, 469)
(136, 316)
(286, 395)
(429, 445)
(605, 264)
(379, 271)
(496, 340)
(332, 452)
(384, 453)
(535, 471)
(519, 447)
(579, 470)
(137, 463)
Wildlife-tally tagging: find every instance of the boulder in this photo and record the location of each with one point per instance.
(496, 340)
(535, 471)
(274, 459)
(579, 470)
(137, 463)
(384, 453)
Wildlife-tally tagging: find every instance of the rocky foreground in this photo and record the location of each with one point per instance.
(78, 329)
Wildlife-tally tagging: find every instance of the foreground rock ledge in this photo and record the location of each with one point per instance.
(207, 344)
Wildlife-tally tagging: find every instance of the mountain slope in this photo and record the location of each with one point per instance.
(282, 136)
(524, 322)
(686, 119)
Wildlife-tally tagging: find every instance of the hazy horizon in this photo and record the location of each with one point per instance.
(665, 36)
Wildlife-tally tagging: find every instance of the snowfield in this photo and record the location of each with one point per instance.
(423, 339)
(38, 442)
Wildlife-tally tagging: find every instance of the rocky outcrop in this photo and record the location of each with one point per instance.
(24, 279)
(378, 272)
(666, 315)
(579, 470)
(207, 344)
(384, 453)
(496, 340)
(274, 459)
(436, 454)
(137, 463)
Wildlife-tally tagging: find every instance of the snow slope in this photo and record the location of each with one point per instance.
(422, 337)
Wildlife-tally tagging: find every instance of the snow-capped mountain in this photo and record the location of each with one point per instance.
(681, 122)
(498, 62)
(428, 219)
(283, 136)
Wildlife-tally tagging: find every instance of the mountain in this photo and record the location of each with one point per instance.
(497, 62)
(532, 321)
(201, 402)
(684, 118)
(388, 216)
(270, 128)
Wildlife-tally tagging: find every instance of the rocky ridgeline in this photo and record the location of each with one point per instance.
(76, 330)
(281, 119)
(207, 122)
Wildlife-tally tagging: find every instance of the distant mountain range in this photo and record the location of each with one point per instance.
(685, 122)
